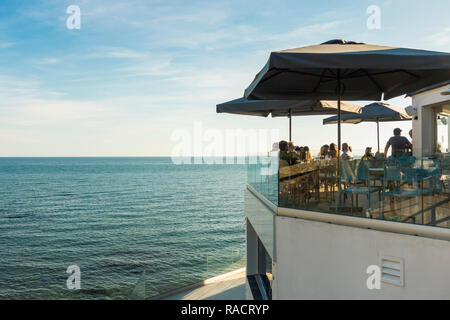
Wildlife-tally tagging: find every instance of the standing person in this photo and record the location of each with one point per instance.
(400, 145)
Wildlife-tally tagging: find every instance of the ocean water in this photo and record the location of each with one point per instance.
(136, 227)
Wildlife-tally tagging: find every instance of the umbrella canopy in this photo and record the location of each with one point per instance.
(374, 112)
(364, 72)
(284, 108)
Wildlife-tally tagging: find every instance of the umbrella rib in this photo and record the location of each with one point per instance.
(271, 76)
(320, 80)
(347, 74)
(342, 90)
(351, 74)
(331, 78)
(304, 73)
(373, 80)
(410, 73)
(381, 73)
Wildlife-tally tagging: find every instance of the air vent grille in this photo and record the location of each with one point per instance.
(392, 270)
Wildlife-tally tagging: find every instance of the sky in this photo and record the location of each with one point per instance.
(138, 71)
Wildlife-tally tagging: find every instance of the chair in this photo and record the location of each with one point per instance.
(359, 183)
(402, 179)
(327, 177)
(283, 163)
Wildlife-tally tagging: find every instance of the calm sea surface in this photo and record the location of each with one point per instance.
(136, 227)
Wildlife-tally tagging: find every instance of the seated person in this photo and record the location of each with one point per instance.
(333, 151)
(283, 145)
(295, 157)
(368, 155)
(306, 155)
(299, 151)
(346, 152)
(287, 152)
(324, 152)
(275, 147)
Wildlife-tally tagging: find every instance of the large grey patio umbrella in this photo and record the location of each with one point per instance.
(285, 108)
(374, 112)
(347, 70)
(339, 69)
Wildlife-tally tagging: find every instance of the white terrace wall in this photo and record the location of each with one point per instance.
(318, 260)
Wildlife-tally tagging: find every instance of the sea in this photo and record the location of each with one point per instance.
(116, 228)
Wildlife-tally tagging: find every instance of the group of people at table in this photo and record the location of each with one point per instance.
(311, 172)
(291, 154)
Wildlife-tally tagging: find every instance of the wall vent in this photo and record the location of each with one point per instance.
(392, 270)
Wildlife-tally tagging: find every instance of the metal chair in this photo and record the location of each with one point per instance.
(404, 180)
(358, 184)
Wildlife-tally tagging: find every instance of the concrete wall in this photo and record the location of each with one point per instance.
(318, 260)
(260, 216)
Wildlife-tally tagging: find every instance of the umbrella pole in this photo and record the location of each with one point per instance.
(378, 134)
(290, 125)
(339, 139)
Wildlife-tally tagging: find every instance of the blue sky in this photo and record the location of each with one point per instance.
(138, 70)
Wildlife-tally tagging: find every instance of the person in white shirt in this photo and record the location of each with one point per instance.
(346, 152)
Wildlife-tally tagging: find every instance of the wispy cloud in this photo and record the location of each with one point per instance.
(112, 52)
(48, 61)
(5, 45)
(124, 53)
(441, 38)
(307, 31)
(158, 67)
(238, 35)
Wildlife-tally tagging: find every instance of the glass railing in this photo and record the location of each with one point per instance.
(262, 175)
(207, 265)
(403, 189)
